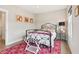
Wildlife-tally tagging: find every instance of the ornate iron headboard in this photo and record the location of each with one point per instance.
(50, 26)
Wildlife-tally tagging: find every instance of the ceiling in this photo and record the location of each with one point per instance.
(36, 9)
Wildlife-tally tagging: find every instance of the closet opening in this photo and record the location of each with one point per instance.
(2, 29)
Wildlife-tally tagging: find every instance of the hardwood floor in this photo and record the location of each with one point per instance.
(65, 48)
(2, 43)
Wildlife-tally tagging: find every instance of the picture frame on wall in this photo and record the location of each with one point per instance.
(26, 19)
(76, 11)
(19, 18)
(31, 20)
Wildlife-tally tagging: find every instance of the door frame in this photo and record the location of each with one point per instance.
(6, 23)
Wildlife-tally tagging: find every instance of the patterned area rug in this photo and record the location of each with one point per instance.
(20, 49)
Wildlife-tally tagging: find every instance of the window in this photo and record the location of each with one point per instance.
(70, 23)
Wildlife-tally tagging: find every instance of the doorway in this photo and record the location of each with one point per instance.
(2, 30)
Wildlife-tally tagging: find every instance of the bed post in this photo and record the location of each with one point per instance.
(26, 33)
(50, 42)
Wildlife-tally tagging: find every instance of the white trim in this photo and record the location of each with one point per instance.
(6, 23)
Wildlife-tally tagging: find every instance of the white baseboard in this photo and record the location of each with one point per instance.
(13, 43)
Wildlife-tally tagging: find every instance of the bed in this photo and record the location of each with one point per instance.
(43, 37)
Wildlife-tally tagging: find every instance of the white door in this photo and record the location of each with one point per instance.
(0, 24)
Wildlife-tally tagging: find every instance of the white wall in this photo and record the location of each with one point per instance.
(16, 30)
(74, 42)
(50, 17)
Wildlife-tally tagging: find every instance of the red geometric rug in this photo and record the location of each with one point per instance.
(20, 49)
